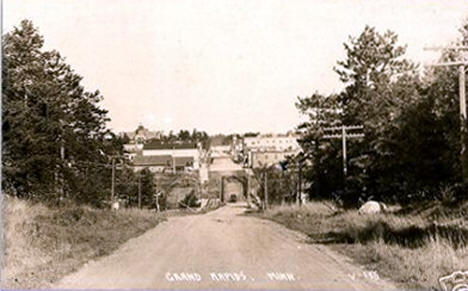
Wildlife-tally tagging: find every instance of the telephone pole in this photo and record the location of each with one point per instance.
(113, 179)
(344, 135)
(248, 188)
(113, 157)
(299, 185)
(139, 190)
(266, 191)
(462, 94)
(221, 189)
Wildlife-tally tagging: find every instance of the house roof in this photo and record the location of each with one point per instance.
(161, 160)
(130, 134)
(167, 146)
(183, 161)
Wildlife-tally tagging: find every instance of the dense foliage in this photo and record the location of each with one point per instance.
(183, 136)
(282, 184)
(55, 141)
(410, 119)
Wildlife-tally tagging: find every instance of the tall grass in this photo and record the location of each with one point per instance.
(42, 244)
(412, 249)
(410, 267)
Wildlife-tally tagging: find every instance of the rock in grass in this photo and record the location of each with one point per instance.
(372, 207)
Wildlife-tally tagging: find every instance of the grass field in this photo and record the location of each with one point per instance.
(412, 249)
(43, 244)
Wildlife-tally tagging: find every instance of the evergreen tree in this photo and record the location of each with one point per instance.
(409, 124)
(51, 125)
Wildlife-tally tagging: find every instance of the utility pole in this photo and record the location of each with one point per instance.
(344, 135)
(113, 180)
(248, 189)
(59, 177)
(173, 164)
(221, 190)
(299, 184)
(281, 187)
(463, 127)
(343, 146)
(60, 180)
(266, 190)
(299, 163)
(139, 190)
(462, 92)
(113, 177)
(62, 157)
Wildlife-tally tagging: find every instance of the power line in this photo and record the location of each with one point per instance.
(344, 135)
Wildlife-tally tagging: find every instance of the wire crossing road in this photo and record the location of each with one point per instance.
(222, 249)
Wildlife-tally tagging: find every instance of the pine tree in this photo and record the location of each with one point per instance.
(51, 125)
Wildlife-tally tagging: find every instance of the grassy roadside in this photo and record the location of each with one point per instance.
(43, 244)
(413, 250)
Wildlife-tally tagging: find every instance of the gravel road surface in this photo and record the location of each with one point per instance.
(223, 249)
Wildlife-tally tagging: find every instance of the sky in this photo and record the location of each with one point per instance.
(221, 66)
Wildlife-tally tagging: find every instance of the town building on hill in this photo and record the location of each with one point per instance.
(268, 149)
(138, 138)
(142, 135)
(273, 142)
(164, 157)
(162, 163)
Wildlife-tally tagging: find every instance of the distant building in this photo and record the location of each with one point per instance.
(269, 149)
(237, 149)
(184, 163)
(273, 142)
(142, 135)
(176, 150)
(132, 150)
(163, 157)
(137, 139)
(162, 163)
(268, 158)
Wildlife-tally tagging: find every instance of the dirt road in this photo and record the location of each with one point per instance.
(224, 250)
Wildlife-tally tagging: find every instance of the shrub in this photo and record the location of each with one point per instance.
(190, 200)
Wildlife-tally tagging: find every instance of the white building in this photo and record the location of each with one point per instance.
(269, 149)
(182, 153)
(162, 163)
(273, 142)
(131, 150)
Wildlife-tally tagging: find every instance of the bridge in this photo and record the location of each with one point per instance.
(233, 179)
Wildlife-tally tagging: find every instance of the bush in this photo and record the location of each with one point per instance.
(190, 201)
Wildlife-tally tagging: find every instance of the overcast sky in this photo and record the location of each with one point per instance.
(221, 66)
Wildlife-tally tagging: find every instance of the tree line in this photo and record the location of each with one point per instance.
(55, 142)
(183, 136)
(410, 118)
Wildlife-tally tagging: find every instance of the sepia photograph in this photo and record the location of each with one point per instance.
(234, 145)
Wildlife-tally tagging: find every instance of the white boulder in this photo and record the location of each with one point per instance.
(372, 207)
(115, 205)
